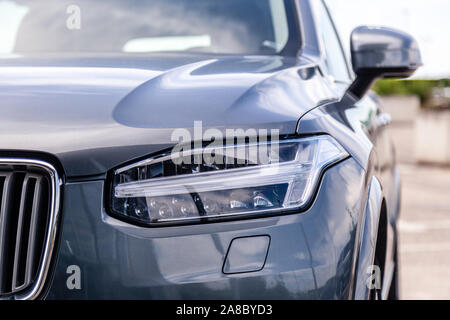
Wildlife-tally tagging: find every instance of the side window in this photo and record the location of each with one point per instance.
(334, 57)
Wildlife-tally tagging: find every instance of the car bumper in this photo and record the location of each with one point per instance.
(310, 255)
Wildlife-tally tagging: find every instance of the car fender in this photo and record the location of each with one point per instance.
(368, 238)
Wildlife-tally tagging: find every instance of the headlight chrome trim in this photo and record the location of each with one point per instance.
(237, 215)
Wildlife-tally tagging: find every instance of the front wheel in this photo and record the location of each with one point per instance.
(394, 289)
(375, 294)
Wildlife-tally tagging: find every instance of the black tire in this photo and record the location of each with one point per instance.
(380, 254)
(375, 294)
(394, 289)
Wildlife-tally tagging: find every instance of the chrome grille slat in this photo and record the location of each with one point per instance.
(8, 229)
(29, 210)
(3, 207)
(35, 232)
(23, 229)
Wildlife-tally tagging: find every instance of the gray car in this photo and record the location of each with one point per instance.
(195, 149)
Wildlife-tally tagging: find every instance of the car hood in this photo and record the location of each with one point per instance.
(94, 113)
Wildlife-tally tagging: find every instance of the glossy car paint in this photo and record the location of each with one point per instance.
(307, 258)
(89, 115)
(124, 110)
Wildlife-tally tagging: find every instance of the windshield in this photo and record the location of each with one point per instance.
(142, 26)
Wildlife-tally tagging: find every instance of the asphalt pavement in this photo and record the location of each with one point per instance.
(424, 224)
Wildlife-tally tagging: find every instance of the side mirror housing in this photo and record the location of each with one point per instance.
(380, 52)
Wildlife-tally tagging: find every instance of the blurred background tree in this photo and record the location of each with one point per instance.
(432, 93)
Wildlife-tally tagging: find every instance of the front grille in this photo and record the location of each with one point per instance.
(29, 196)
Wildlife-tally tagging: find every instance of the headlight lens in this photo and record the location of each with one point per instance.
(245, 179)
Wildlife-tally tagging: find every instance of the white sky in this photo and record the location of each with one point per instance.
(427, 20)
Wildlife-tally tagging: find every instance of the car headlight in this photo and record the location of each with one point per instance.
(188, 186)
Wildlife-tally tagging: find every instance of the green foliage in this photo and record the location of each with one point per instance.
(421, 88)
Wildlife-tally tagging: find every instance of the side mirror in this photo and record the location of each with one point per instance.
(379, 52)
